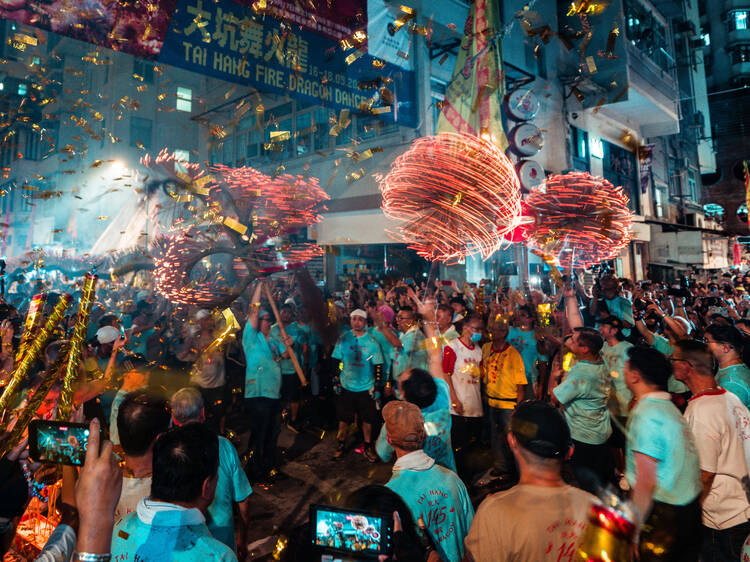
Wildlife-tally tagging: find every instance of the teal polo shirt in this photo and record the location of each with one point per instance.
(583, 395)
(657, 429)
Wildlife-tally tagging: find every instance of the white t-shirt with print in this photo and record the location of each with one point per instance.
(463, 362)
(721, 427)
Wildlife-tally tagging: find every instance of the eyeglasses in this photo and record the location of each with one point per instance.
(674, 360)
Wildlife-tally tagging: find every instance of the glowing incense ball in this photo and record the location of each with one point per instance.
(455, 195)
(279, 205)
(173, 269)
(581, 220)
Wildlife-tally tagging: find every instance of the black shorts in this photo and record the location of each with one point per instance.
(290, 388)
(349, 403)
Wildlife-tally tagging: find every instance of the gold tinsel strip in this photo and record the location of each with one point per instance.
(32, 353)
(28, 413)
(31, 324)
(75, 347)
(231, 326)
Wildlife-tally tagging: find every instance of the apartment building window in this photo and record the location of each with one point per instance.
(692, 187)
(144, 69)
(706, 37)
(140, 132)
(33, 148)
(181, 156)
(22, 89)
(737, 19)
(619, 167)
(739, 53)
(580, 149)
(647, 33)
(184, 99)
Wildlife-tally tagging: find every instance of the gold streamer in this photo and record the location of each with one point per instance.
(32, 353)
(28, 413)
(231, 326)
(75, 347)
(31, 324)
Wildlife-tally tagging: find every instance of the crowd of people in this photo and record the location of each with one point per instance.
(522, 404)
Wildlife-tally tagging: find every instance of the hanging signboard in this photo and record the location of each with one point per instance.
(298, 53)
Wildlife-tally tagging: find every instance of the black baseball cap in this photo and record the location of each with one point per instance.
(541, 429)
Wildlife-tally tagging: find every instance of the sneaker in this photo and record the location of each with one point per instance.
(370, 454)
(340, 450)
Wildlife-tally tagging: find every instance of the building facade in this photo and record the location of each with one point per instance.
(725, 41)
(71, 170)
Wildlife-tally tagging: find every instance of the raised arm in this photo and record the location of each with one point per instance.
(254, 311)
(427, 309)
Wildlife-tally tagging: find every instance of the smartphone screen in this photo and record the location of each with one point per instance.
(58, 442)
(343, 530)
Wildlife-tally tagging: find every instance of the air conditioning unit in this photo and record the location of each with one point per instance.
(696, 43)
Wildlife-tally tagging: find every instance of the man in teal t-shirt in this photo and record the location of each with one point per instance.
(523, 339)
(661, 462)
(418, 388)
(726, 343)
(232, 486)
(263, 353)
(411, 353)
(614, 355)
(290, 381)
(359, 382)
(583, 395)
(170, 525)
(434, 494)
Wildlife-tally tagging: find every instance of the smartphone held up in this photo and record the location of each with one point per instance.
(58, 442)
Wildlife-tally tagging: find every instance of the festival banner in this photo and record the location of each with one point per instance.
(221, 41)
(473, 97)
(316, 55)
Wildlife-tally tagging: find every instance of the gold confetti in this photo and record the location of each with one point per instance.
(280, 136)
(591, 65)
(25, 39)
(102, 217)
(354, 176)
(354, 56)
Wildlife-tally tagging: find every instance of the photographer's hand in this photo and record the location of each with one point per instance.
(97, 493)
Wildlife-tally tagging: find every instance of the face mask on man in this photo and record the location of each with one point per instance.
(476, 337)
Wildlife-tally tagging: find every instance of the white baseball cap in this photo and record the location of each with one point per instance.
(107, 334)
(359, 312)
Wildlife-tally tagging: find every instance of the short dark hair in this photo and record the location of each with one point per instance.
(406, 308)
(591, 339)
(420, 388)
(142, 416)
(445, 308)
(726, 334)
(107, 320)
(616, 323)
(698, 354)
(652, 365)
(381, 499)
(184, 457)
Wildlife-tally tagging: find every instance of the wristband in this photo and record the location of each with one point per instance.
(91, 557)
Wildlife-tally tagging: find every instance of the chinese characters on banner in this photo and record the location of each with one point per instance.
(297, 53)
